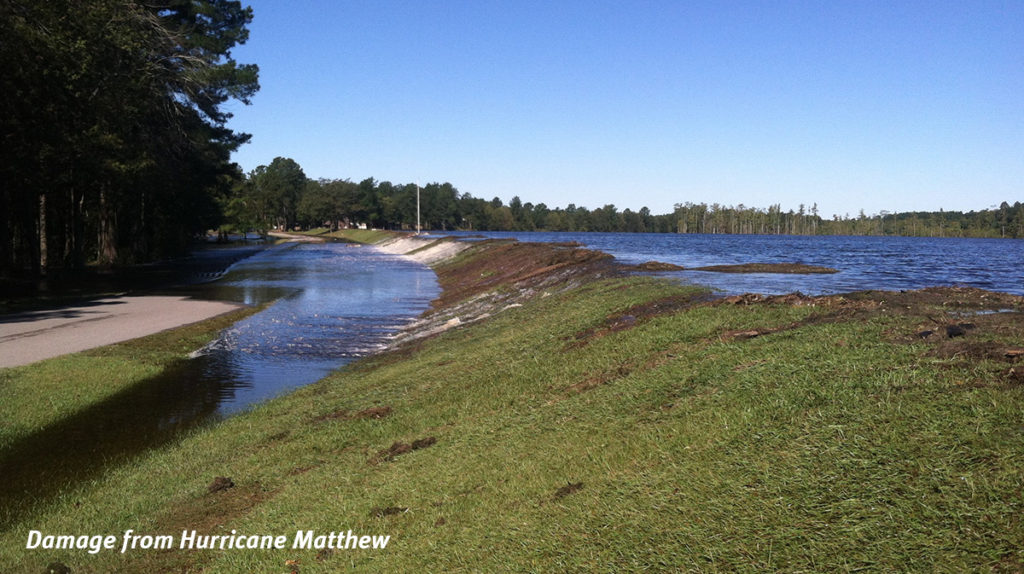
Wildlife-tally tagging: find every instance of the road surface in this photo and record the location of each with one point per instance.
(36, 335)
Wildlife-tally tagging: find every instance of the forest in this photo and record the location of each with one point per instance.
(280, 196)
(115, 146)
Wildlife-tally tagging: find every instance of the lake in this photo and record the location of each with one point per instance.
(889, 263)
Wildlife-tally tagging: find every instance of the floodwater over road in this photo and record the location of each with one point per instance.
(332, 303)
(335, 302)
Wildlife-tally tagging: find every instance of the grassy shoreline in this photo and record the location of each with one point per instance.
(589, 420)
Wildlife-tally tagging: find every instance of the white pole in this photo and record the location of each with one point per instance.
(417, 209)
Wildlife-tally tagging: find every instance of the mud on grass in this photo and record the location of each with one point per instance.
(960, 326)
(493, 264)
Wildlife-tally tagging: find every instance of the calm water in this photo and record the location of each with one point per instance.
(890, 263)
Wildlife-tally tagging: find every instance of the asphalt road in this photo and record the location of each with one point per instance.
(36, 335)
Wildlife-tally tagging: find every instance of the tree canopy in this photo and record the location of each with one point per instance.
(113, 128)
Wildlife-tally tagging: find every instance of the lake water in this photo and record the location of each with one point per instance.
(889, 263)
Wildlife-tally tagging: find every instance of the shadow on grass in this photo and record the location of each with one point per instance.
(153, 413)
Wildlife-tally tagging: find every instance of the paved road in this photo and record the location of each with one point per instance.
(36, 335)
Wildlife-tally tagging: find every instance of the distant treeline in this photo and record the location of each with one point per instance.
(281, 196)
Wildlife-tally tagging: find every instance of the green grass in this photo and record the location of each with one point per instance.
(363, 235)
(816, 448)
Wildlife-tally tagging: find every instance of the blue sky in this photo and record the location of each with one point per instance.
(893, 106)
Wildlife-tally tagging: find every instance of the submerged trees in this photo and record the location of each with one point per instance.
(113, 135)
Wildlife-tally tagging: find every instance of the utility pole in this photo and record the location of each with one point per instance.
(417, 209)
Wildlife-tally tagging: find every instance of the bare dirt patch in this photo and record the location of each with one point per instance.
(962, 326)
(381, 512)
(568, 489)
(1013, 377)
(206, 513)
(492, 276)
(399, 448)
(492, 264)
(220, 483)
(599, 379)
(960, 322)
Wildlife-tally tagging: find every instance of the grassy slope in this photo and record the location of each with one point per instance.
(362, 235)
(565, 443)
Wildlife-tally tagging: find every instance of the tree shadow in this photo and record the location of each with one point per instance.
(66, 312)
(153, 413)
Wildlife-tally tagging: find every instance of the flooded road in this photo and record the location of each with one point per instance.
(332, 303)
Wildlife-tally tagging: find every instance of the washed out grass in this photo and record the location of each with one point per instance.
(591, 429)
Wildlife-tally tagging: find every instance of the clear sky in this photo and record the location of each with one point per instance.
(887, 105)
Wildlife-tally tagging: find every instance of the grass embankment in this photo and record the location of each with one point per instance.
(362, 235)
(608, 424)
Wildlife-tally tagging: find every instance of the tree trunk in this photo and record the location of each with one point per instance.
(42, 234)
(107, 240)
